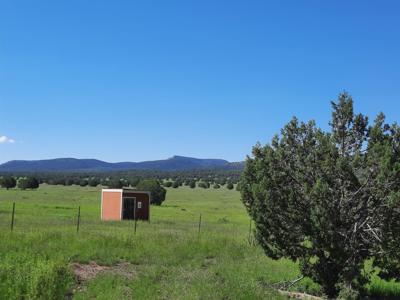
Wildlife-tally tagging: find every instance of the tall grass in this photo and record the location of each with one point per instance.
(170, 259)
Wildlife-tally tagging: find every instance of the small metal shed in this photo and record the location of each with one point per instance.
(125, 204)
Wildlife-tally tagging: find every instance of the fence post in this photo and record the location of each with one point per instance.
(79, 219)
(199, 224)
(12, 217)
(134, 214)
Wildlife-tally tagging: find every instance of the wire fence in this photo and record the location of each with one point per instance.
(69, 219)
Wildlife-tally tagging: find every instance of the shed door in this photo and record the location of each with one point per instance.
(142, 204)
(128, 212)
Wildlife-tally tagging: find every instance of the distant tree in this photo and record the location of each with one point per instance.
(222, 181)
(329, 200)
(134, 181)
(27, 183)
(69, 181)
(168, 184)
(192, 184)
(203, 185)
(93, 182)
(216, 186)
(229, 186)
(238, 186)
(115, 184)
(50, 181)
(157, 191)
(59, 181)
(175, 184)
(83, 182)
(8, 182)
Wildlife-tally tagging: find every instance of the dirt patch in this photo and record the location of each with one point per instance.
(208, 261)
(85, 272)
(124, 269)
(294, 295)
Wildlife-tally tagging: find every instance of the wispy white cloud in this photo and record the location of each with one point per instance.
(6, 140)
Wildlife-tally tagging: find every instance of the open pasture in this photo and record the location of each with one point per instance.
(169, 257)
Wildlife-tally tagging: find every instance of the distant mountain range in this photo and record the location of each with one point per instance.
(175, 163)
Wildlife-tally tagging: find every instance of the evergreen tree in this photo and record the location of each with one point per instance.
(168, 184)
(28, 183)
(157, 191)
(8, 182)
(175, 184)
(115, 183)
(329, 200)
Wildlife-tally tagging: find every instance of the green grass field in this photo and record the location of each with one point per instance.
(170, 259)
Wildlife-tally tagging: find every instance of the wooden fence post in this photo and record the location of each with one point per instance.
(199, 225)
(79, 219)
(12, 217)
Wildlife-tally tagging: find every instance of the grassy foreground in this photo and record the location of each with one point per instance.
(171, 259)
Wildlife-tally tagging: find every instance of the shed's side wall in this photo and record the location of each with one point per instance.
(144, 212)
(111, 206)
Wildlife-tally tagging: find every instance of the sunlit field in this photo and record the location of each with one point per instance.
(172, 258)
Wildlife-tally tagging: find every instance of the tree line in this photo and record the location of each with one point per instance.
(22, 183)
(194, 178)
(152, 181)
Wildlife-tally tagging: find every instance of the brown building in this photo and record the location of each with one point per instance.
(125, 204)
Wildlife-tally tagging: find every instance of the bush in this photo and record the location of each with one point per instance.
(93, 182)
(216, 186)
(69, 181)
(204, 185)
(238, 186)
(229, 186)
(157, 191)
(168, 184)
(134, 181)
(8, 182)
(28, 183)
(192, 184)
(115, 184)
(83, 182)
(175, 184)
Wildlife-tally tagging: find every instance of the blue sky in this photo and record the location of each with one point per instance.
(142, 80)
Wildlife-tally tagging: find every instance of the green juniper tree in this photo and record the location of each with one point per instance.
(115, 183)
(168, 184)
(8, 182)
(329, 200)
(27, 183)
(175, 184)
(192, 184)
(158, 193)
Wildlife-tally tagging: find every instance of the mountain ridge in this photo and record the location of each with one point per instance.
(174, 163)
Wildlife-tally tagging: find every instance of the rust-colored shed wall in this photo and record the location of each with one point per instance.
(111, 206)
